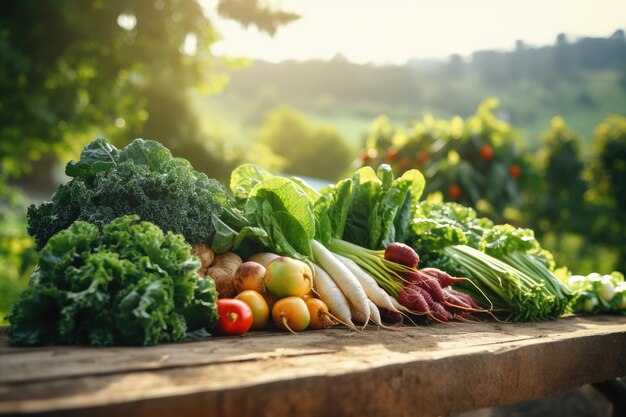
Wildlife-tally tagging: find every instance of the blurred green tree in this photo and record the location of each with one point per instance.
(72, 70)
(318, 152)
(607, 173)
(560, 196)
(557, 206)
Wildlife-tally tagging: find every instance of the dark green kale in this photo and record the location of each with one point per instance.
(144, 179)
(125, 284)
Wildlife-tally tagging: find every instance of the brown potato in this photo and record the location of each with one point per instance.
(224, 283)
(228, 261)
(249, 276)
(204, 253)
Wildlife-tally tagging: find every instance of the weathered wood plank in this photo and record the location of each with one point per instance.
(416, 371)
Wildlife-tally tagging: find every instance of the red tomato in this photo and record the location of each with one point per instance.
(422, 156)
(515, 171)
(365, 157)
(392, 154)
(405, 164)
(454, 191)
(486, 152)
(235, 316)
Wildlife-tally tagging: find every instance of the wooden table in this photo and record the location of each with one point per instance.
(415, 371)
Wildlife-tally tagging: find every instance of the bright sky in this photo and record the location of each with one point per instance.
(393, 31)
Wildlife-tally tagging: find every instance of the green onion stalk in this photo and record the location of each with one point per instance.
(388, 274)
(518, 284)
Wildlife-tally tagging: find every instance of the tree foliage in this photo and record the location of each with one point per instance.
(607, 171)
(476, 161)
(73, 69)
(318, 152)
(560, 196)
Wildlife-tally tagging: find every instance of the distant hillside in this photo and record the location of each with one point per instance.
(582, 80)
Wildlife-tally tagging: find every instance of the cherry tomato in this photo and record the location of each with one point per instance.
(486, 152)
(365, 157)
(454, 191)
(405, 164)
(392, 154)
(421, 156)
(515, 171)
(235, 316)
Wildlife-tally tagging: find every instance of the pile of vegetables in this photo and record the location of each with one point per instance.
(138, 248)
(514, 274)
(597, 293)
(372, 209)
(128, 283)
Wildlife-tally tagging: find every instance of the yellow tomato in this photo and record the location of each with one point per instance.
(259, 307)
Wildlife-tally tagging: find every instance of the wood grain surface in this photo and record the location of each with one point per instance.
(414, 371)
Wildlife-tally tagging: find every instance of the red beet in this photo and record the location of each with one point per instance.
(429, 300)
(389, 316)
(415, 277)
(402, 254)
(466, 298)
(456, 302)
(412, 299)
(445, 280)
(441, 313)
(434, 289)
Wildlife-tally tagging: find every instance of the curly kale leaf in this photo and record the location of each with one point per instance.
(127, 283)
(143, 179)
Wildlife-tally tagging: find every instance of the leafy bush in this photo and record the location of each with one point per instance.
(473, 161)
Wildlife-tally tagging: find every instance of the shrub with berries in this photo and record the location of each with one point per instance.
(478, 159)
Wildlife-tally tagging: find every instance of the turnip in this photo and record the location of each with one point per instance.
(606, 289)
(285, 277)
(291, 313)
(320, 316)
(263, 258)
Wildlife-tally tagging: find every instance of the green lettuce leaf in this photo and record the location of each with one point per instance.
(98, 156)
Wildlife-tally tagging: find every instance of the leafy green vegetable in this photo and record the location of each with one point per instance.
(128, 283)
(438, 225)
(144, 179)
(595, 293)
(373, 209)
(524, 292)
